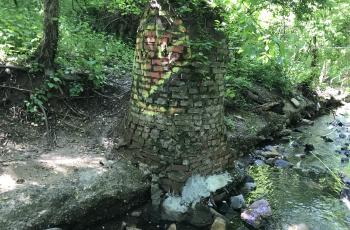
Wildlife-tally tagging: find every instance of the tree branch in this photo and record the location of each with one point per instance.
(13, 67)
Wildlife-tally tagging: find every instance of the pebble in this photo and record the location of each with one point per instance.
(342, 135)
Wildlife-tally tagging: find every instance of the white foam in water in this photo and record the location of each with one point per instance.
(196, 187)
(216, 182)
(174, 204)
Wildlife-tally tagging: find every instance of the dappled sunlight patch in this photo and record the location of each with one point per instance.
(7, 183)
(2, 53)
(64, 164)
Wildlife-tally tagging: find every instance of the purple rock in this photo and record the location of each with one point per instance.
(255, 214)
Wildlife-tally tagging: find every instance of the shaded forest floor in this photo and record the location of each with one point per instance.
(80, 134)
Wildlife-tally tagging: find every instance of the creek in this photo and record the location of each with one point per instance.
(309, 192)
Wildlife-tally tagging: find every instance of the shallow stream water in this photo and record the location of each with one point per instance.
(308, 193)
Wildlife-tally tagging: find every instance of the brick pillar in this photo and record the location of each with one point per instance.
(176, 115)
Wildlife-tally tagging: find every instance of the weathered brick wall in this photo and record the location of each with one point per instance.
(176, 116)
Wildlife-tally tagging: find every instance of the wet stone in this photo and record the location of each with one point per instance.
(309, 148)
(237, 202)
(248, 187)
(344, 160)
(259, 162)
(282, 164)
(255, 214)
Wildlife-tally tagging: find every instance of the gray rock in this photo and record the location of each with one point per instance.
(77, 203)
(259, 162)
(255, 214)
(219, 224)
(295, 102)
(342, 135)
(237, 202)
(271, 153)
(282, 164)
(270, 161)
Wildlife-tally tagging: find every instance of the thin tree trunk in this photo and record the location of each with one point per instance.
(48, 46)
(314, 54)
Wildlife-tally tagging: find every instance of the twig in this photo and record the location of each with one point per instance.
(50, 138)
(16, 88)
(330, 170)
(74, 110)
(102, 95)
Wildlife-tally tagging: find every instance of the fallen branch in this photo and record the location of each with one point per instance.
(268, 106)
(13, 67)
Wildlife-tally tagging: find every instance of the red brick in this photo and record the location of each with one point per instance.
(150, 33)
(157, 68)
(154, 75)
(146, 66)
(156, 61)
(150, 46)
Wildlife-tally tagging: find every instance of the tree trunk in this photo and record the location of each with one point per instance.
(48, 46)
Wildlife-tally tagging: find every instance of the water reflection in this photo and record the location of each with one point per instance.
(307, 196)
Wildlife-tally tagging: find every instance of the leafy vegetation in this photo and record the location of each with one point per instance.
(276, 43)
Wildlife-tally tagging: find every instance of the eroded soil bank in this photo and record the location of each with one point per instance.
(80, 180)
